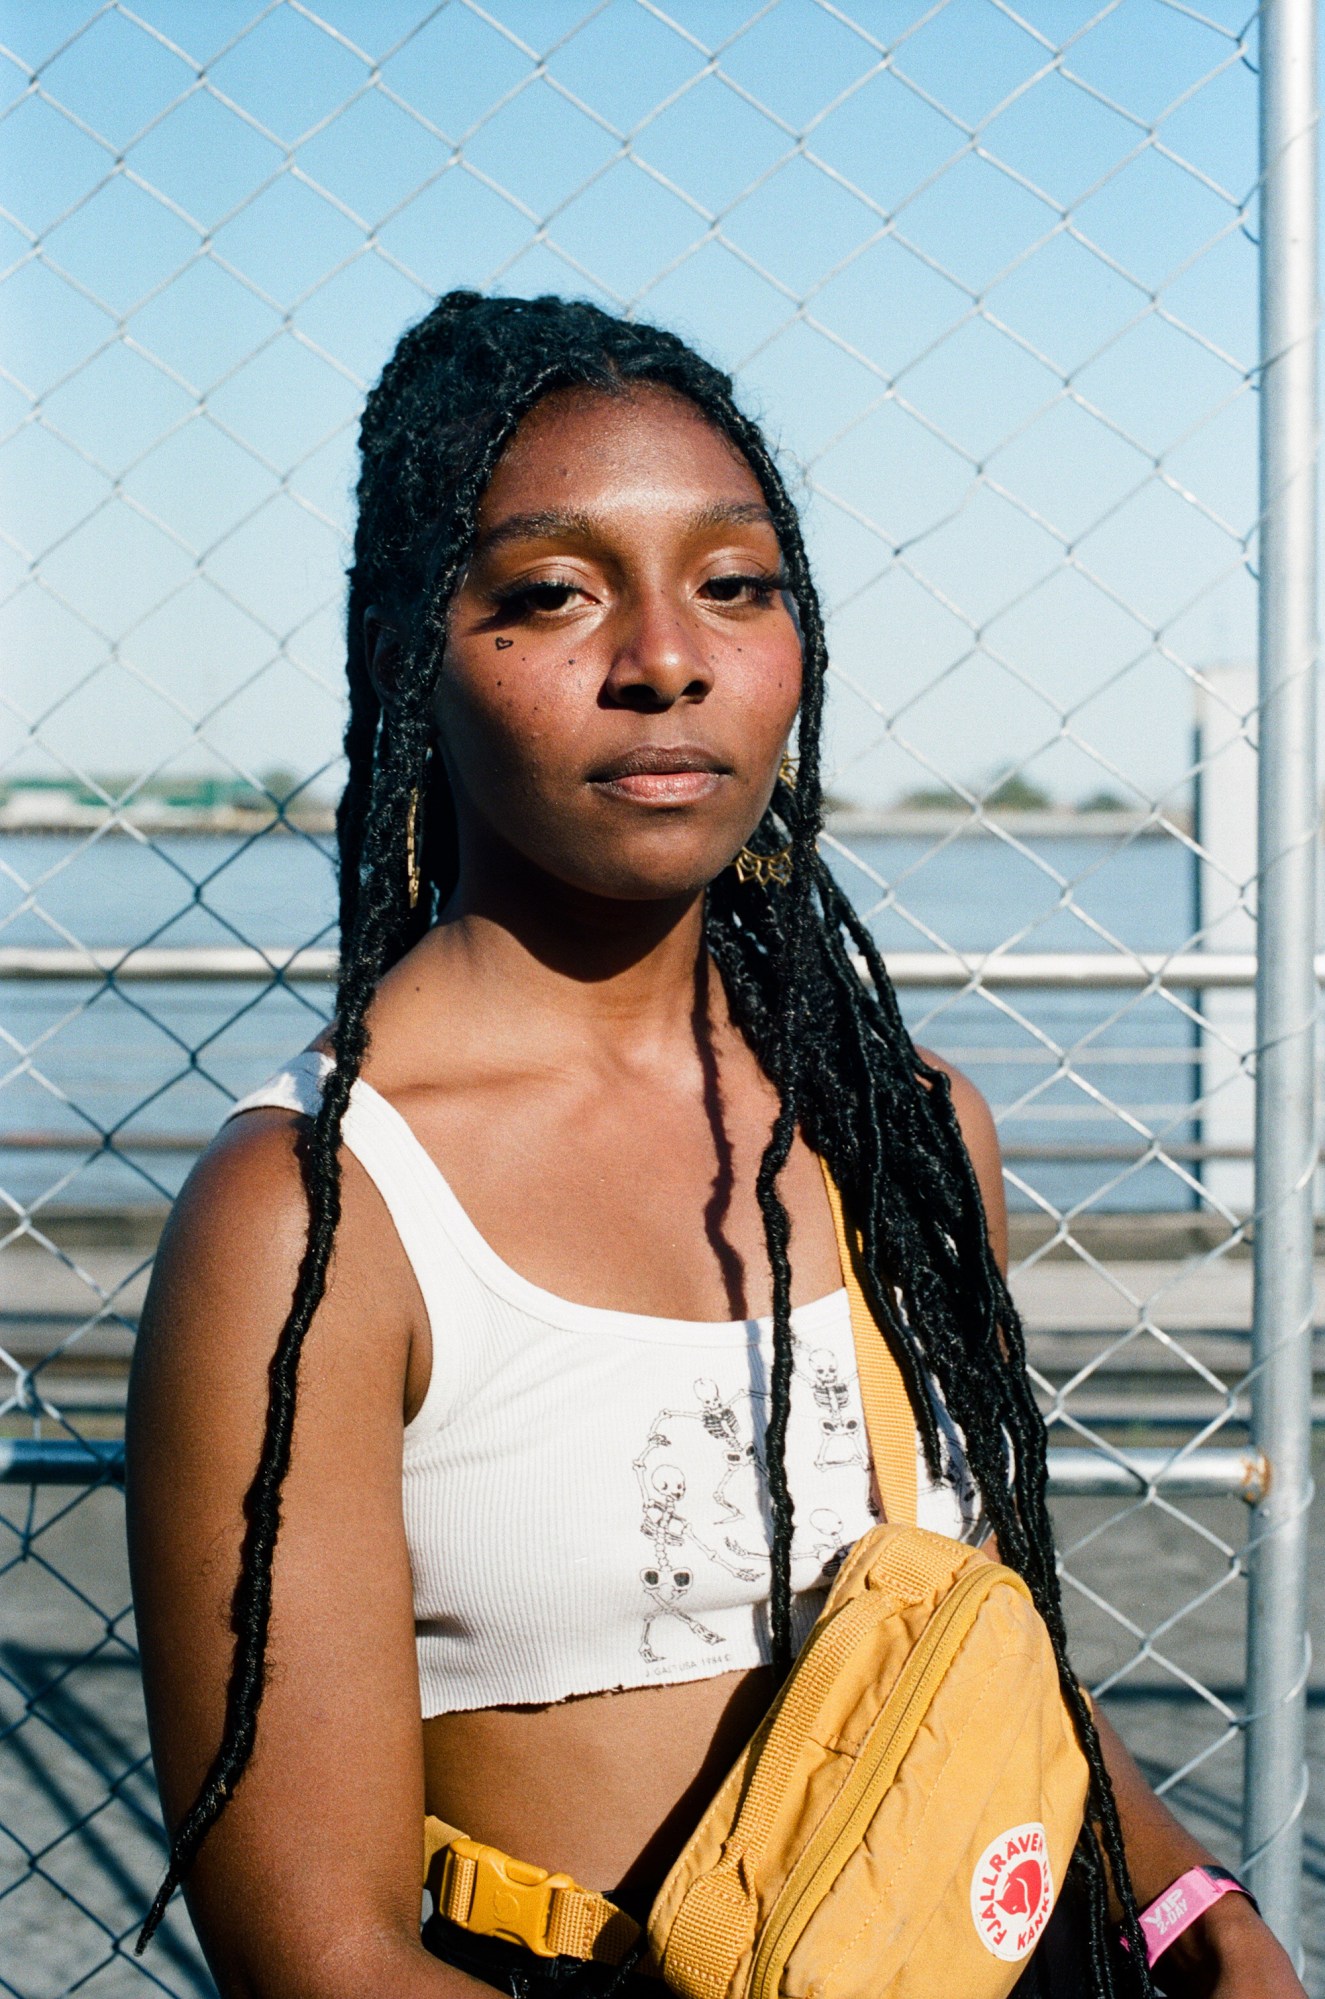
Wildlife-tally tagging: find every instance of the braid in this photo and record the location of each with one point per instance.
(832, 1042)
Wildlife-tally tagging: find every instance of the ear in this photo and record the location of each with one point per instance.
(382, 651)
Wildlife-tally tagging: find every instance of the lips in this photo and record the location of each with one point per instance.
(653, 775)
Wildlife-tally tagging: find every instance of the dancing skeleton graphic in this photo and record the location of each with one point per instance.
(664, 1588)
(662, 1488)
(841, 1440)
(828, 1545)
(719, 1421)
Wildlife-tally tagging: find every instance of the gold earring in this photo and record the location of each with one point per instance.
(414, 872)
(769, 870)
(766, 869)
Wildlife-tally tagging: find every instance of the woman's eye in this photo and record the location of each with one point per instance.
(535, 597)
(743, 589)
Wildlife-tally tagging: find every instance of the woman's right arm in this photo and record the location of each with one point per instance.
(310, 1883)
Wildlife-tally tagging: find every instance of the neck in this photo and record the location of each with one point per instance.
(619, 968)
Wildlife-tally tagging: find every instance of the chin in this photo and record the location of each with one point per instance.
(667, 865)
(648, 884)
(648, 877)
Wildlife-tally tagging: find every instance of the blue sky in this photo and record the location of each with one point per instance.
(977, 294)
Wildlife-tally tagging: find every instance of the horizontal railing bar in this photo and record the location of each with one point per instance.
(189, 1143)
(1006, 970)
(58, 1461)
(1086, 1152)
(80, 1399)
(1074, 1472)
(1151, 1415)
(209, 964)
(1066, 971)
(1033, 1055)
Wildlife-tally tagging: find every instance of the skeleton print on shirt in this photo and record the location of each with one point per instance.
(665, 1589)
(823, 1538)
(667, 1523)
(733, 1435)
(703, 1487)
(843, 1436)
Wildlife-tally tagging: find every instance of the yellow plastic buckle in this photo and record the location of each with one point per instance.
(485, 1891)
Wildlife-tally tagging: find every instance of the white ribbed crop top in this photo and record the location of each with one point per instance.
(584, 1493)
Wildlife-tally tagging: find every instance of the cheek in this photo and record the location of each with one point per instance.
(507, 712)
(764, 677)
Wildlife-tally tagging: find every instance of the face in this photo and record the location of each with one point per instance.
(623, 665)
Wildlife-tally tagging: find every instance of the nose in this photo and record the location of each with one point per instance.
(658, 659)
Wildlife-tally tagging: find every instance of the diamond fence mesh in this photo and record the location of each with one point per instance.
(992, 276)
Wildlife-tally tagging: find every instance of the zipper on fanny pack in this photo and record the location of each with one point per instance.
(875, 1769)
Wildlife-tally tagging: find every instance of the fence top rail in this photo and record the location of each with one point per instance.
(953, 970)
(1074, 1470)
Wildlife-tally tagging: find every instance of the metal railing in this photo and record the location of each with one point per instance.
(1089, 971)
(1085, 1474)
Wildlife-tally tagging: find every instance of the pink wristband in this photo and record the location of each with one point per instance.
(1179, 1906)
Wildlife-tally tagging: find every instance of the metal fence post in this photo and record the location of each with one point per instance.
(1286, 1142)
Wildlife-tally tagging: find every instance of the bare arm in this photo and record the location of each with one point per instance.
(1229, 1953)
(980, 1136)
(309, 1885)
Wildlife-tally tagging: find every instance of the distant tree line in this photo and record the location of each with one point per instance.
(1014, 793)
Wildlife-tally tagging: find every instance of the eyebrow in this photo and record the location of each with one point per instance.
(557, 524)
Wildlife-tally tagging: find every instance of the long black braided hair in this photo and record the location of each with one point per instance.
(833, 1043)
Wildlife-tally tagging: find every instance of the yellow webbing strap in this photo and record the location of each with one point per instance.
(889, 1419)
(490, 1894)
(817, 1672)
(584, 1924)
(436, 1834)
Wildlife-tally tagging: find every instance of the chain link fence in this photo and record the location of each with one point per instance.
(992, 276)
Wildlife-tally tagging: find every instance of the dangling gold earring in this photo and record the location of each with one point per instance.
(769, 870)
(766, 869)
(414, 871)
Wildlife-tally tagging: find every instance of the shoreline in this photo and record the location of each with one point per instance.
(18, 817)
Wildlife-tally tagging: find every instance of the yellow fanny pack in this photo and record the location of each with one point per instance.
(902, 1819)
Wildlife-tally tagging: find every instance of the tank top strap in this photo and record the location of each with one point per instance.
(296, 1087)
(379, 1137)
(400, 1168)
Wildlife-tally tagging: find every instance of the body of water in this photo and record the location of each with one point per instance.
(149, 1062)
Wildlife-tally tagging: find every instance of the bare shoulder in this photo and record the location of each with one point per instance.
(229, 1259)
(973, 1112)
(243, 1205)
(980, 1136)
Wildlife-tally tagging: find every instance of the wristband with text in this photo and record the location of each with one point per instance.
(1187, 1898)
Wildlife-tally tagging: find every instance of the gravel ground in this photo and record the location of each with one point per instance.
(80, 1848)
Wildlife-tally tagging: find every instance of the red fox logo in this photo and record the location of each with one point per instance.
(1012, 1892)
(1021, 1896)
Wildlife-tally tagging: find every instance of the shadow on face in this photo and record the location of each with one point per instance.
(623, 662)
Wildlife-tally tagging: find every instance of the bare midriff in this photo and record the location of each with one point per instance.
(606, 1786)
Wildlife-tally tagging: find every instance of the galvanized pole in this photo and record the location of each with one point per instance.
(1275, 1781)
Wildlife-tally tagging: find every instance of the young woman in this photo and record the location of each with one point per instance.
(521, 1288)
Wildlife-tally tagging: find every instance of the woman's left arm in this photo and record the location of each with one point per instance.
(1228, 1953)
